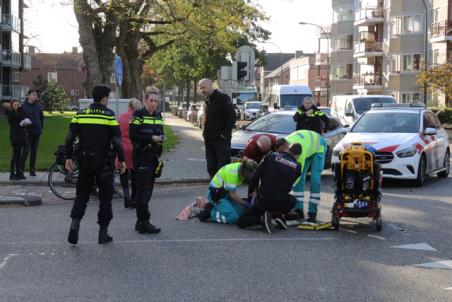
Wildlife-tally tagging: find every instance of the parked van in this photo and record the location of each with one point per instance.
(348, 108)
(288, 96)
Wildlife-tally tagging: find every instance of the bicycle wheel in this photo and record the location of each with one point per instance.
(61, 183)
(117, 188)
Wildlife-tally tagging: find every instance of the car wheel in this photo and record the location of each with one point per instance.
(446, 164)
(421, 172)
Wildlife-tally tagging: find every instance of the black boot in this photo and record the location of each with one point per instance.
(103, 235)
(144, 227)
(312, 217)
(73, 231)
(13, 176)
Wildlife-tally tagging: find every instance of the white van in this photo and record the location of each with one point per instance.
(288, 96)
(348, 108)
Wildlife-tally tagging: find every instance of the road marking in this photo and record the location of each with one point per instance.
(196, 159)
(377, 237)
(350, 231)
(5, 260)
(416, 246)
(448, 288)
(440, 264)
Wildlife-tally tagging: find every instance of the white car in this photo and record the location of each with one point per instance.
(408, 141)
(252, 110)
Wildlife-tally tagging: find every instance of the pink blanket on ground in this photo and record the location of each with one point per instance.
(193, 209)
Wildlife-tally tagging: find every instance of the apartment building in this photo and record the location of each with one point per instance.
(13, 59)
(380, 46)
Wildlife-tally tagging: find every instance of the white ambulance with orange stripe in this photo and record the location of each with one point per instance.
(407, 139)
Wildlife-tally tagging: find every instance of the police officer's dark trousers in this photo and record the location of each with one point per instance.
(144, 163)
(97, 167)
(252, 216)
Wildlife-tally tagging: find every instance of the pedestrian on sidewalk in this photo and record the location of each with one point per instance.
(271, 184)
(33, 110)
(99, 144)
(146, 134)
(220, 120)
(17, 123)
(129, 175)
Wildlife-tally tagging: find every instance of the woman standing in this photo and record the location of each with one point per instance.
(124, 121)
(17, 123)
(146, 133)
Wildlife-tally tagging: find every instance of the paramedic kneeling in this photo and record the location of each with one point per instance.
(225, 206)
(276, 175)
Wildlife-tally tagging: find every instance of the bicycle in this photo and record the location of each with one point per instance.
(63, 184)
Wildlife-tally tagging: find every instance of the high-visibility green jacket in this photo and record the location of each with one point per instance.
(227, 177)
(311, 143)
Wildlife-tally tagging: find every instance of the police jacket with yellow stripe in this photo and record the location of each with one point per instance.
(98, 132)
(143, 126)
(314, 120)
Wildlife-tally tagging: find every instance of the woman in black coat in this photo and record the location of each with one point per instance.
(17, 123)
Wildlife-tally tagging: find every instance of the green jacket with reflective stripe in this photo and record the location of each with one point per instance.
(227, 177)
(97, 130)
(311, 143)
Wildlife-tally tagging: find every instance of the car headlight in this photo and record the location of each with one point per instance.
(408, 152)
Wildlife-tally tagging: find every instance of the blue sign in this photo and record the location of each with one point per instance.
(118, 70)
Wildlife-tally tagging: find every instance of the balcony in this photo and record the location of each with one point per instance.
(368, 49)
(9, 23)
(321, 83)
(369, 16)
(441, 31)
(368, 82)
(27, 62)
(321, 58)
(11, 59)
(15, 92)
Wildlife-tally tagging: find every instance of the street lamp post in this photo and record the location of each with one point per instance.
(328, 36)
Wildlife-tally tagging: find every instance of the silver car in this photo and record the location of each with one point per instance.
(280, 124)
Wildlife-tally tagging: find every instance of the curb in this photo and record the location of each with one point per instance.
(27, 200)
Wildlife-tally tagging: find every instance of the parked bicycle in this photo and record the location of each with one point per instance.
(63, 184)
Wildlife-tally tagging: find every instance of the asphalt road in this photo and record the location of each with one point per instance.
(192, 261)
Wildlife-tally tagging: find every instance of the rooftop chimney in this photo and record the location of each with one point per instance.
(31, 50)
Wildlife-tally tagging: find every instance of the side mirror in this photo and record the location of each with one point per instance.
(430, 131)
(349, 114)
(346, 126)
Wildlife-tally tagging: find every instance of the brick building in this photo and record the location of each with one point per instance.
(67, 69)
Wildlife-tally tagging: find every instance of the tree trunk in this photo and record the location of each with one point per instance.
(188, 91)
(195, 95)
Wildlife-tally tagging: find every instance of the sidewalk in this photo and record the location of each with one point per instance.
(184, 164)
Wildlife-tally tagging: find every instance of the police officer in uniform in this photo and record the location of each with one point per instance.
(309, 117)
(273, 181)
(99, 143)
(146, 134)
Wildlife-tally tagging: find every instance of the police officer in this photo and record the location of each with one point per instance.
(273, 180)
(146, 134)
(99, 143)
(309, 117)
(312, 159)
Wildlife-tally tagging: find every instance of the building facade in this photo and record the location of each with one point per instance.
(14, 59)
(379, 47)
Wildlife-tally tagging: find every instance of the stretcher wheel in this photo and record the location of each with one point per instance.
(378, 222)
(335, 221)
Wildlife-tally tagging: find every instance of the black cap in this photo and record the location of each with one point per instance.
(100, 91)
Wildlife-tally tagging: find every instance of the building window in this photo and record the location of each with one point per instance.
(412, 24)
(411, 62)
(343, 43)
(434, 15)
(411, 97)
(342, 72)
(52, 76)
(396, 25)
(434, 57)
(394, 64)
(16, 77)
(343, 14)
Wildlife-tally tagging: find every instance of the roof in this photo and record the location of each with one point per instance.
(277, 71)
(274, 60)
(57, 61)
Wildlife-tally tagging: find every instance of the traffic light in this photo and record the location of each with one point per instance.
(242, 70)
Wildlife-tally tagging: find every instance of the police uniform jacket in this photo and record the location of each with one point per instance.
(98, 131)
(314, 122)
(143, 126)
(276, 175)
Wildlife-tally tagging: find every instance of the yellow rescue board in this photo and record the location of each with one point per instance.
(315, 226)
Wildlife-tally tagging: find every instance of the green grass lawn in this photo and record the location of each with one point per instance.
(55, 129)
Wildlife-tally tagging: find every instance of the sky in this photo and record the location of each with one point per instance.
(52, 27)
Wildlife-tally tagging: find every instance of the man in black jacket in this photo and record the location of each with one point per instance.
(220, 120)
(273, 180)
(309, 117)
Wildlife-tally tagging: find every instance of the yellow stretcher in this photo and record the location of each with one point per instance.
(315, 226)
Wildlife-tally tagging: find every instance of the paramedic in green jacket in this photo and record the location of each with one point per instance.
(312, 159)
(225, 206)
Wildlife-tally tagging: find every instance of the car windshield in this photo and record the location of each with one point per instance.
(291, 101)
(363, 104)
(273, 123)
(253, 105)
(388, 122)
(242, 97)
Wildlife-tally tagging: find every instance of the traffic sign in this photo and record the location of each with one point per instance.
(118, 70)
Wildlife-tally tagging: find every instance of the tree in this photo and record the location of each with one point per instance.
(54, 98)
(138, 29)
(438, 79)
(40, 84)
